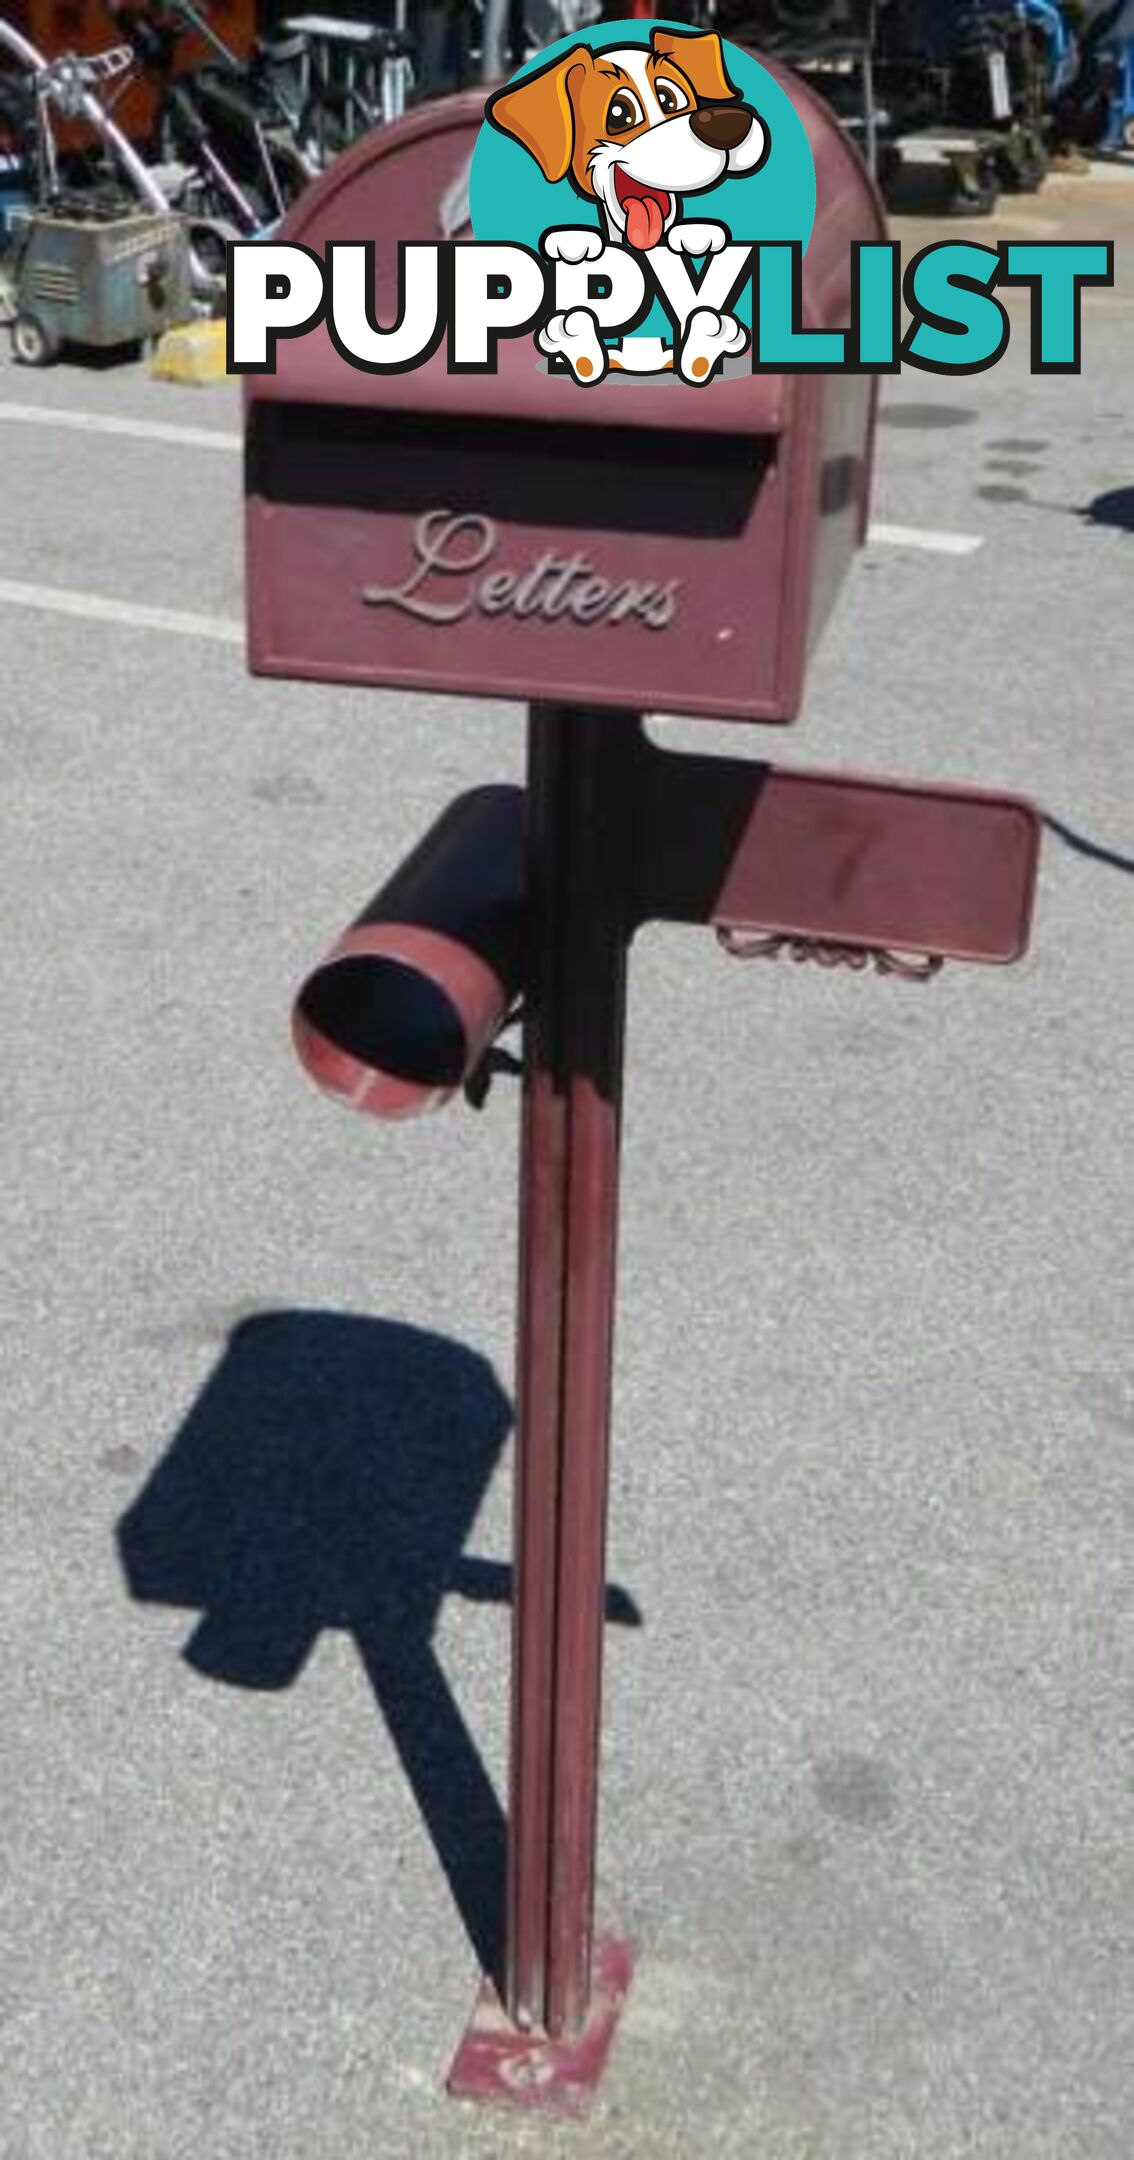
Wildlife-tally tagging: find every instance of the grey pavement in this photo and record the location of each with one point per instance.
(867, 1770)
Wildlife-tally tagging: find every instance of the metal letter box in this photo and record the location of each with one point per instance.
(646, 544)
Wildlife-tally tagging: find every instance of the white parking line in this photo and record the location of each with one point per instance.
(95, 423)
(924, 538)
(95, 607)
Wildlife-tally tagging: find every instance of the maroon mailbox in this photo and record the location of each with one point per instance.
(709, 528)
(646, 544)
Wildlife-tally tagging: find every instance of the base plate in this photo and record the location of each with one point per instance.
(496, 2062)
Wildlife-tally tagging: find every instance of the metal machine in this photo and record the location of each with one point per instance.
(102, 265)
(103, 282)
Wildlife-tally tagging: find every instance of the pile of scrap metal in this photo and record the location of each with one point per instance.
(101, 263)
(831, 41)
(970, 89)
(100, 246)
(105, 241)
(1097, 106)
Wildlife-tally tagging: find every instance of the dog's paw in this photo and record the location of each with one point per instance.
(709, 338)
(574, 244)
(696, 239)
(574, 337)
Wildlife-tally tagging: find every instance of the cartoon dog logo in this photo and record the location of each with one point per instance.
(636, 129)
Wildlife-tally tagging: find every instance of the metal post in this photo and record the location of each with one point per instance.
(869, 106)
(562, 1992)
(577, 861)
(517, 34)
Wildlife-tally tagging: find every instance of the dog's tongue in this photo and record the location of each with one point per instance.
(643, 221)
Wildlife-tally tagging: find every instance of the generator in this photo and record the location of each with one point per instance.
(101, 278)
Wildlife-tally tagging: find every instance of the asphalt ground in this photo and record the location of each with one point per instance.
(867, 1779)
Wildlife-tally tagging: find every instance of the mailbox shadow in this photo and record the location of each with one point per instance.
(1115, 508)
(328, 1475)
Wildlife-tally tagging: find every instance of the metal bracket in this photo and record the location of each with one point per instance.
(499, 2062)
(73, 75)
(759, 945)
(495, 1062)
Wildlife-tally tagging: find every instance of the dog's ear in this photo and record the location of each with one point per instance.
(540, 114)
(699, 55)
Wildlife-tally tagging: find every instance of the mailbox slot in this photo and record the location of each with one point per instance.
(524, 473)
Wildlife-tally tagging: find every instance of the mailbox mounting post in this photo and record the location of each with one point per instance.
(561, 1992)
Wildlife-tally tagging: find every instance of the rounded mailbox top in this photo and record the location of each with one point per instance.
(446, 174)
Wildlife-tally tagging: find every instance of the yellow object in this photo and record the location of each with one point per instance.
(191, 352)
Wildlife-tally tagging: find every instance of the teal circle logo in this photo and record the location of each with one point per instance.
(630, 78)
